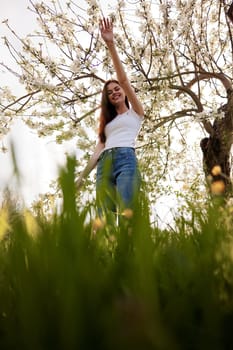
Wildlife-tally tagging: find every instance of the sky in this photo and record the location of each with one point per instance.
(38, 159)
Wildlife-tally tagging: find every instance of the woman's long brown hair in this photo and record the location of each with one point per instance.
(108, 111)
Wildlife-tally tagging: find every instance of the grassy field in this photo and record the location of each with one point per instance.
(67, 282)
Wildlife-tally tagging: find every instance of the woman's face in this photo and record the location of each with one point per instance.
(115, 93)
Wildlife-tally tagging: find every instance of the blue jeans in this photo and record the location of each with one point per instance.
(118, 178)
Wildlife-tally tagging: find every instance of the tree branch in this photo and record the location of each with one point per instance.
(192, 94)
(211, 75)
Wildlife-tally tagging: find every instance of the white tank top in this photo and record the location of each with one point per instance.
(123, 130)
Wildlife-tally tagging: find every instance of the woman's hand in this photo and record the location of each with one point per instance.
(79, 183)
(106, 29)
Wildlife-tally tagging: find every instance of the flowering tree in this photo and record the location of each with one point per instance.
(179, 58)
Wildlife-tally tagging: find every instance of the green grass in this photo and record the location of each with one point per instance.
(132, 286)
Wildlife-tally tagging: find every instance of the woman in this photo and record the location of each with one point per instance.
(118, 177)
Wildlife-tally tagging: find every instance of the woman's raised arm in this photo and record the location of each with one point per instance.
(106, 29)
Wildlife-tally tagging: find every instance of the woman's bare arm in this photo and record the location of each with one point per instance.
(90, 165)
(106, 28)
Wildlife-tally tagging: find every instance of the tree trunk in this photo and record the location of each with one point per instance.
(217, 148)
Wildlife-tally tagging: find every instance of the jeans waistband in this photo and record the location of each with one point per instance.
(113, 150)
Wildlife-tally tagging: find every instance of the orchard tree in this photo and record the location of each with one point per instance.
(179, 58)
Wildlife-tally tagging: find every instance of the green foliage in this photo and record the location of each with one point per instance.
(66, 283)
